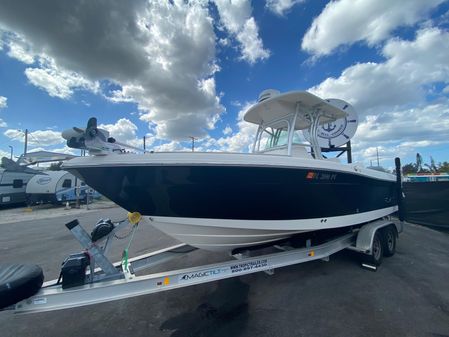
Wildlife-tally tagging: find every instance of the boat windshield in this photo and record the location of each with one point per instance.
(275, 135)
(273, 138)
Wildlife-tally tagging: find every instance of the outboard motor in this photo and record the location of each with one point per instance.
(93, 139)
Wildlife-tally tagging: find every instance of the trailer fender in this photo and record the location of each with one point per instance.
(365, 236)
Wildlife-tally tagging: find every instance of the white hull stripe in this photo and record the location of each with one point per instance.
(281, 225)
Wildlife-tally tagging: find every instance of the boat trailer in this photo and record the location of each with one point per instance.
(90, 278)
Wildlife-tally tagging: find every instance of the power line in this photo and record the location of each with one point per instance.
(29, 133)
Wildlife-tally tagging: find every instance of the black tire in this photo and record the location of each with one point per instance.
(389, 240)
(376, 256)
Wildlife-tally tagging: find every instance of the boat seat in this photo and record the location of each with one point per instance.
(18, 282)
(300, 151)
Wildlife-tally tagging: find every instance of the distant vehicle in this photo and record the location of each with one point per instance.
(15, 175)
(56, 187)
(426, 177)
(13, 185)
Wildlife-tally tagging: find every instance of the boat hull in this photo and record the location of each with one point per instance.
(227, 235)
(225, 206)
(242, 193)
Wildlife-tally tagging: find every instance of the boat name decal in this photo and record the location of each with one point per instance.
(239, 267)
(321, 176)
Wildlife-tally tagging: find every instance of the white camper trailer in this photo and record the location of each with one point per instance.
(56, 187)
(12, 186)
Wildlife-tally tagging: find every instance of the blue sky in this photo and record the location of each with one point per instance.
(178, 69)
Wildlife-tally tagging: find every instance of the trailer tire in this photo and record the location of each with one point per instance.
(376, 256)
(389, 240)
(18, 282)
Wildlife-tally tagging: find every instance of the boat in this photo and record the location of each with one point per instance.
(227, 201)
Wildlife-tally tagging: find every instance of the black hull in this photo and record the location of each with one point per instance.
(427, 203)
(239, 192)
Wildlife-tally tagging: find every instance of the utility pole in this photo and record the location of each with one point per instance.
(377, 150)
(26, 142)
(193, 142)
(12, 150)
(144, 143)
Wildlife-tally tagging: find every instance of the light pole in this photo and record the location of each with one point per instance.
(12, 150)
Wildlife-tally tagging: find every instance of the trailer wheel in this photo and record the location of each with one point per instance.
(376, 256)
(389, 241)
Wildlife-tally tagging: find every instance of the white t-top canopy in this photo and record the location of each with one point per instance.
(281, 105)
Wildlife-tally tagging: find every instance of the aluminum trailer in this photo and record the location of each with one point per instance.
(105, 281)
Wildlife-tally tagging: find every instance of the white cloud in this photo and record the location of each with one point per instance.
(392, 97)
(280, 7)
(170, 147)
(345, 22)
(58, 82)
(19, 50)
(161, 55)
(3, 102)
(65, 149)
(4, 154)
(176, 91)
(399, 132)
(227, 130)
(39, 137)
(243, 138)
(428, 123)
(387, 153)
(14, 134)
(224, 42)
(236, 17)
(124, 131)
(446, 89)
(252, 46)
(401, 79)
(3, 123)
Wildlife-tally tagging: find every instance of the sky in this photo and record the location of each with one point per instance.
(170, 70)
